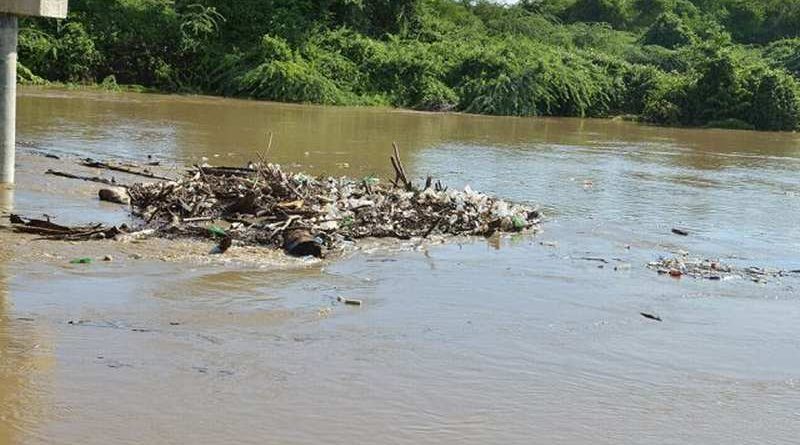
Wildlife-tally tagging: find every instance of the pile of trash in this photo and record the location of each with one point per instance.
(264, 205)
(713, 269)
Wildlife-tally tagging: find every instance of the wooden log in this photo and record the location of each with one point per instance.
(98, 164)
(84, 178)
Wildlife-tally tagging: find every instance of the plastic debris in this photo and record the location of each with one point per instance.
(81, 261)
(306, 215)
(349, 301)
(711, 269)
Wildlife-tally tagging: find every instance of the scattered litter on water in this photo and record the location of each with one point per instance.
(710, 269)
(349, 301)
(650, 316)
(681, 232)
(81, 261)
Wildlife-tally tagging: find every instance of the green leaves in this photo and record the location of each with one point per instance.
(81, 261)
(64, 52)
(198, 23)
(617, 13)
(727, 88)
(775, 102)
(529, 79)
(669, 31)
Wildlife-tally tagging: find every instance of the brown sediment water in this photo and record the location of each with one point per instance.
(506, 340)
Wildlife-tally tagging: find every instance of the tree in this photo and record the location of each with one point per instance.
(719, 92)
(775, 103)
(669, 31)
(617, 13)
(745, 20)
(393, 16)
(647, 11)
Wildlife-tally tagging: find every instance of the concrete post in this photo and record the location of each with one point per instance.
(9, 10)
(8, 96)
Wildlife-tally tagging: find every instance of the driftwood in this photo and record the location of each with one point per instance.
(349, 301)
(650, 316)
(400, 171)
(119, 168)
(226, 171)
(85, 178)
(50, 230)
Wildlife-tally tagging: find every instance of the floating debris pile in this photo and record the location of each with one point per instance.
(264, 205)
(708, 269)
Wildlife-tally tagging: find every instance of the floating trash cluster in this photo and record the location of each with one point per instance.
(264, 205)
(709, 269)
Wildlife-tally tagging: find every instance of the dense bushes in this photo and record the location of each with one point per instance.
(669, 31)
(784, 54)
(616, 13)
(726, 87)
(65, 53)
(527, 79)
(674, 62)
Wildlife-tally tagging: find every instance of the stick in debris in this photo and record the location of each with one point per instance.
(650, 316)
(433, 227)
(50, 230)
(590, 258)
(349, 301)
(226, 171)
(85, 178)
(97, 164)
(269, 144)
(199, 219)
(293, 189)
(400, 171)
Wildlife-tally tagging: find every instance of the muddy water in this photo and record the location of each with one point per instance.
(514, 340)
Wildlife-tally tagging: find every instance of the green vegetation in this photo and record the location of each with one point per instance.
(727, 63)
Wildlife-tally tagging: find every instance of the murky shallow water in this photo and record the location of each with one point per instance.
(483, 342)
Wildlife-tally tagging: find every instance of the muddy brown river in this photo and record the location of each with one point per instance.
(515, 340)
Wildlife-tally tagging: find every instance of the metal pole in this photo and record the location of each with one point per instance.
(8, 96)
